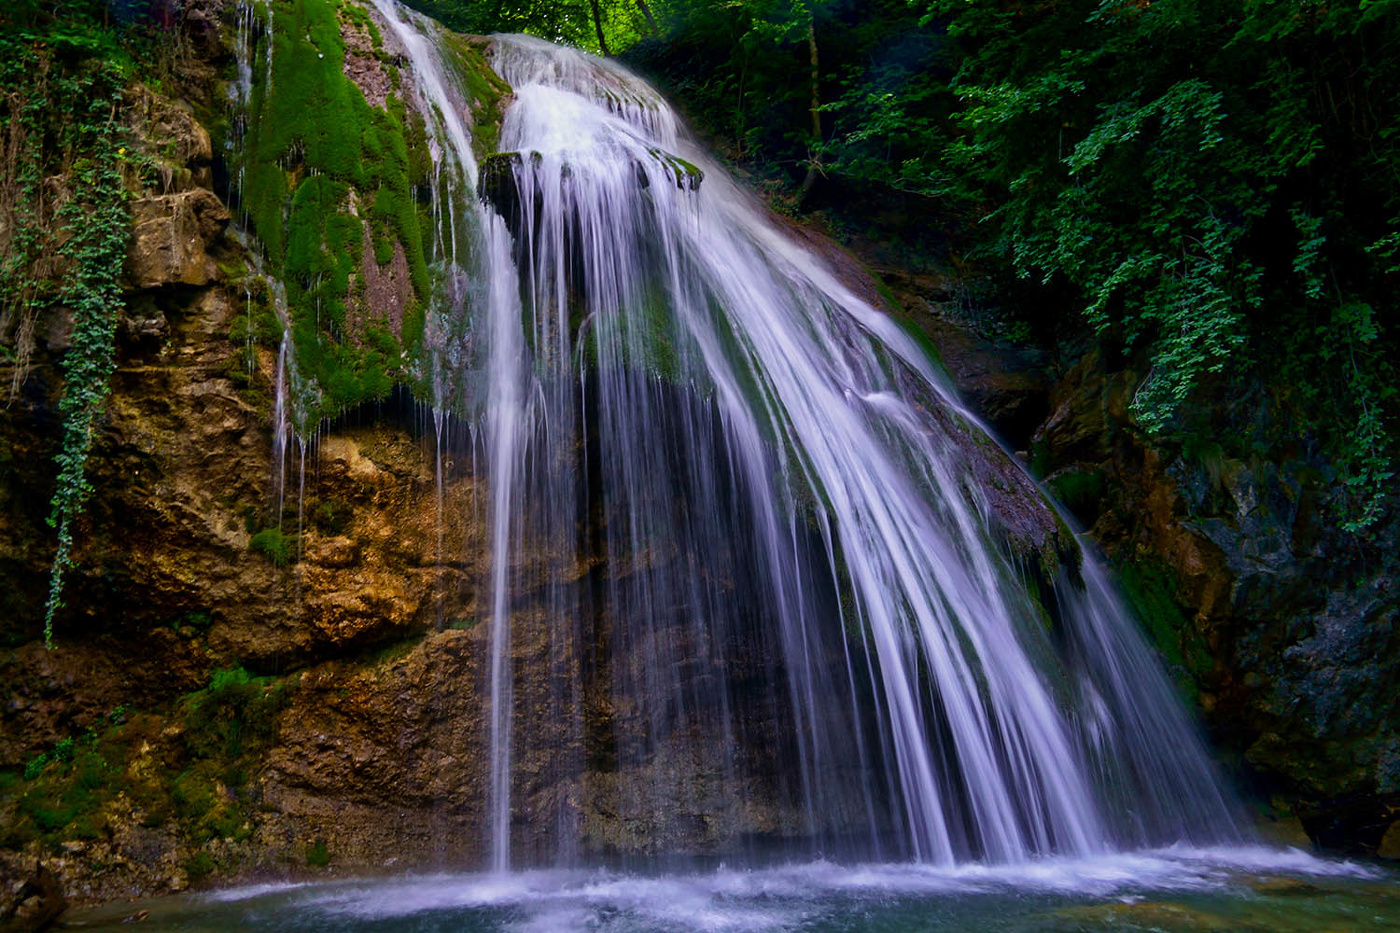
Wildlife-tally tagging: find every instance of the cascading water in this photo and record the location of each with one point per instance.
(743, 580)
(766, 466)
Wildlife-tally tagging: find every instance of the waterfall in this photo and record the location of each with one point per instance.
(746, 578)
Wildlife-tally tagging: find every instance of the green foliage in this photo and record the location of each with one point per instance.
(199, 866)
(193, 622)
(274, 545)
(236, 713)
(63, 791)
(572, 22)
(1201, 175)
(739, 67)
(1214, 185)
(1081, 491)
(317, 856)
(35, 766)
(64, 242)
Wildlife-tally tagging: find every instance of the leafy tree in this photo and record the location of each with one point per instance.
(1218, 181)
(605, 26)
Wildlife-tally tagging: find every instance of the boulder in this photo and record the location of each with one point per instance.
(32, 905)
(171, 238)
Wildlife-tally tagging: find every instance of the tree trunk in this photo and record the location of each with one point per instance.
(598, 25)
(812, 164)
(651, 20)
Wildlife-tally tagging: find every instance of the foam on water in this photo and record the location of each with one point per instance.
(780, 897)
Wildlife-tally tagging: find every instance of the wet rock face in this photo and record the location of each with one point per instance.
(30, 904)
(171, 235)
(385, 761)
(1283, 625)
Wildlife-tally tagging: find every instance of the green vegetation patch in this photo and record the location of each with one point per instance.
(323, 168)
(275, 545)
(317, 855)
(133, 764)
(336, 190)
(483, 87)
(64, 225)
(1150, 588)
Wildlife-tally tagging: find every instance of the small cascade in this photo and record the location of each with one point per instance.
(292, 427)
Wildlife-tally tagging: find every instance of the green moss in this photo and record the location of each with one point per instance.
(264, 196)
(393, 652)
(322, 169)
(1081, 491)
(257, 321)
(686, 175)
(236, 712)
(483, 86)
(1150, 588)
(199, 866)
(331, 516)
(317, 855)
(920, 337)
(62, 793)
(420, 157)
(1041, 460)
(321, 166)
(194, 621)
(310, 110)
(194, 775)
(274, 545)
(360, 17)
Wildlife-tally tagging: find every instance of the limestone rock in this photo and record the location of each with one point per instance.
(171, 237)
(171, 136)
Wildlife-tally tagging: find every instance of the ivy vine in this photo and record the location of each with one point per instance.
(97, 217)
(69, 226)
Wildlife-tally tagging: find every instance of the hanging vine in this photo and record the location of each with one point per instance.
(63, 189)
(97, 218)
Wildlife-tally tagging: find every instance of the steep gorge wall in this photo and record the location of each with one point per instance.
(326, 699)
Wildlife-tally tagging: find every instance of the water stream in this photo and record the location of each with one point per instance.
(1162, 891)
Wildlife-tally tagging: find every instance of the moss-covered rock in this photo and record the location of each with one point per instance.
(336, 171)
(686, 175)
